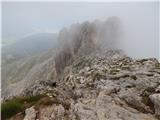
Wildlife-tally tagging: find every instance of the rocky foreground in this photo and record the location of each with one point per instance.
(106, 86)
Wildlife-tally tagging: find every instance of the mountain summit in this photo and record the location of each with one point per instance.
(83, 80)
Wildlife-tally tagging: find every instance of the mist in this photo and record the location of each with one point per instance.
(139, 21)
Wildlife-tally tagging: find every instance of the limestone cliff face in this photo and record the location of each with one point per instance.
(101, 86)
(76, 41)
(81, 39)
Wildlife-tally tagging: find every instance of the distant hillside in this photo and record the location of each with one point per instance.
(27, 70)
(28, 46)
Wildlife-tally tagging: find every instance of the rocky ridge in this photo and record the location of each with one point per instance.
(106, 86)
(91, 79)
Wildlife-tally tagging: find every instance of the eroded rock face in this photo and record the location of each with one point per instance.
(113, 86)
(109, 86)
(82, 39)
(105, 86)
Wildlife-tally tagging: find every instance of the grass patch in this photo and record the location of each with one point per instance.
(31, 99)
(16, 105)
(10, 108)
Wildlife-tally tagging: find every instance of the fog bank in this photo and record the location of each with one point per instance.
(140, 37)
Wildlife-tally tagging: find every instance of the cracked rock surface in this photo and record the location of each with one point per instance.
(106, 86)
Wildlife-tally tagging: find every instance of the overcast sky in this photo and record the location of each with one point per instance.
(140, 20)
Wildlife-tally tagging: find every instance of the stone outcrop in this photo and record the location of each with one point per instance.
(106, 86)
(155, 98)
(30, 114)
(82, 39)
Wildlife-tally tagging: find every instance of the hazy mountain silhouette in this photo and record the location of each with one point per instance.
(28, 46)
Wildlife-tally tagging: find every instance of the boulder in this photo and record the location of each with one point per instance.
(30, 114)
(155, 98)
